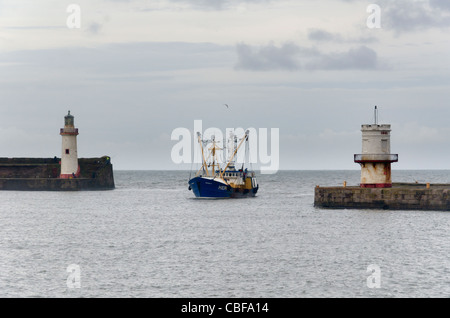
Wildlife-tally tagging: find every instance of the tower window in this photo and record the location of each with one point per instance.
(67, 151)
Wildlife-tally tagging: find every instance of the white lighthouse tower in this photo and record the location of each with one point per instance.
(376, 157)
(69, 156)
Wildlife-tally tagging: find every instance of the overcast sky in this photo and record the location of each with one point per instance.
(136, 70)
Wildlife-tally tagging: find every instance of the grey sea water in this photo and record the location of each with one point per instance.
(150, 238)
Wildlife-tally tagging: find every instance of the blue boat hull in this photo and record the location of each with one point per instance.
(207, 188)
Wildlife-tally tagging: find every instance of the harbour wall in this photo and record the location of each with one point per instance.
(42, 174)
(402, 196)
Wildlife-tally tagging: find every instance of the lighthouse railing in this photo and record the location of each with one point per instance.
(376, 158)
(68, 130)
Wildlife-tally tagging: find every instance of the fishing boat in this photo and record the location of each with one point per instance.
(216, 180)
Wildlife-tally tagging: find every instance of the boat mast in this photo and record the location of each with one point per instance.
(232, 144)
(213, 154)
(203, 154)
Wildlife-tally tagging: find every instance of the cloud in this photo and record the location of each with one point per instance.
(409, 16)
(291, 57)
(322, 35)
(35, 27)
(94, 28)
(403, 16)
(268, 57)
(319, 35)
(125, 60)
(357, 58)
(414, 133)
(210, 4)
(440, 4)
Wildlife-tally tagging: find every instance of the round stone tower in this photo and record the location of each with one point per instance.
(376, 157)
(69, 156)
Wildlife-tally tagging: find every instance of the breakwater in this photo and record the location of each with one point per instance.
(401, 196)
(42, 174)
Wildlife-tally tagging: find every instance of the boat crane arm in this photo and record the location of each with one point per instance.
(234, 153)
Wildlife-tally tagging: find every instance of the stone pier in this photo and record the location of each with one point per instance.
(42, 174)
(402, 196)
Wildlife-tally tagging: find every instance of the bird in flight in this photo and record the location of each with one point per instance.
(226, 105)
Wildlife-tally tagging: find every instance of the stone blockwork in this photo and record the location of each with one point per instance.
(400, 197)
(42, 174)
